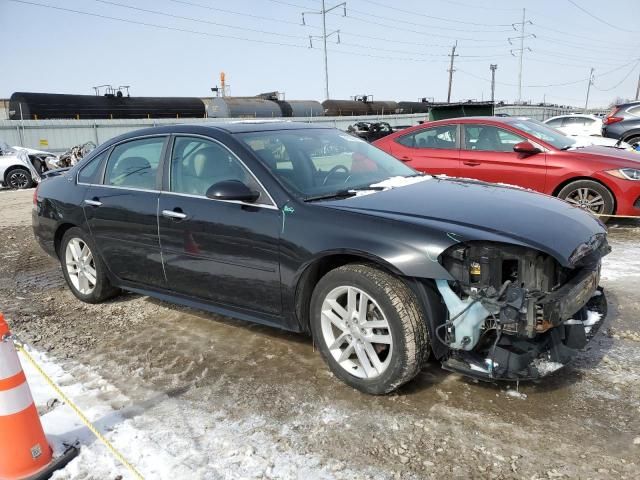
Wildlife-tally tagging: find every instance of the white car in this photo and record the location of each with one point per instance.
(16, 169)
(579, 124)
(585, 141)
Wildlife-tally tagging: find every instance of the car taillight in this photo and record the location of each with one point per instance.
(610, 120)
(35, 195)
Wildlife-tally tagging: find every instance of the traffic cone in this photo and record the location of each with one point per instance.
(24, 450)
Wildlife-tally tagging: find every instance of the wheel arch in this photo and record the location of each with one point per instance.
(566, 182)
(12, 168)
(60, 231)
(628, 135)
(312, 272)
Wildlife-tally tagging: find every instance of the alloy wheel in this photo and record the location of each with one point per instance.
(80, 266)
(18, 179)
(356, 332)
(586, 198)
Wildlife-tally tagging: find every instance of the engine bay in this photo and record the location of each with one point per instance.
(509, 307)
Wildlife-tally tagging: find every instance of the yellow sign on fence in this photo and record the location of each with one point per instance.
(44, 142)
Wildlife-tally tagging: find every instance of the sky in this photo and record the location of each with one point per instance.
(393, 50)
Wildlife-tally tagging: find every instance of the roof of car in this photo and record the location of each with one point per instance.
(243, 126)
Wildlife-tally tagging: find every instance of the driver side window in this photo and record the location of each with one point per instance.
(197, 164)
(488, 138)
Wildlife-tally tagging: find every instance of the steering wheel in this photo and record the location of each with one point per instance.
(335, 170)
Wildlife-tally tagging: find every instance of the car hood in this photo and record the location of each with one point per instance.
(616, 156)
(466, 210)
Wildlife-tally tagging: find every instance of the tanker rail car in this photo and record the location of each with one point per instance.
(44, 106)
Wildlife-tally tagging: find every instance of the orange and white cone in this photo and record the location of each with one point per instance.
(24, 450)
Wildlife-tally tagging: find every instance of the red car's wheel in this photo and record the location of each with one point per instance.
(590, 195)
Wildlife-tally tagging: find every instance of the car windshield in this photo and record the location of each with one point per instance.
(544, 133)
(323, 162)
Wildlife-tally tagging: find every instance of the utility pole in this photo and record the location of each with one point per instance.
(493, 68)
(324, 37)
(586, 102)
(451, 70)
(522, 48)
(638, 88)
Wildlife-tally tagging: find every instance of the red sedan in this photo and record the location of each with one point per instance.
(524, 152)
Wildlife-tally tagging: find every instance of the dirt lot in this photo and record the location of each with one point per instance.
(582, 422)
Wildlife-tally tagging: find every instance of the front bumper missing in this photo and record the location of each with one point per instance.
(514, 358)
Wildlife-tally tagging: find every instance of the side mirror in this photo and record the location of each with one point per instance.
(232, 190)
(526, 148)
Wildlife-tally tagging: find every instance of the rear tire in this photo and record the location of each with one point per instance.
(375, 351)
(590, 195)
(83, 269)
(633, 140)
(19, 178)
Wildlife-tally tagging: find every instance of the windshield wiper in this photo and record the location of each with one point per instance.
(340, 193)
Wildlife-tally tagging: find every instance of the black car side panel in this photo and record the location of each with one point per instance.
(57, 204)
(222, 252)
(125, 230)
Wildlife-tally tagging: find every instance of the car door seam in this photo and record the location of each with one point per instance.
(164, 271)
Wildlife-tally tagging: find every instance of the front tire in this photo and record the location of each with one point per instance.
(369, 328)
(83, 269)
(590, 195)
(19, 178)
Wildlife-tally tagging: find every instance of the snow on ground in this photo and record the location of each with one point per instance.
(623, 261)
(159, 439)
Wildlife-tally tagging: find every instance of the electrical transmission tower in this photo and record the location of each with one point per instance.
(324, 37)
(451, 70)
(520, 51)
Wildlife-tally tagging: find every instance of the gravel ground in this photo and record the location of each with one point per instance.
(582, 422)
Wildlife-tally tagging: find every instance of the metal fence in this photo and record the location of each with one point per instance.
(60, 135)
(542, 112)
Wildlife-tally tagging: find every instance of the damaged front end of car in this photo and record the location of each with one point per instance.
(516, 313)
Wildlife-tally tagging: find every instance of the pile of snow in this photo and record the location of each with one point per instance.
(393, 182)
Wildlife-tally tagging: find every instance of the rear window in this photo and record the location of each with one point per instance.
(91, 171)
(635, 111)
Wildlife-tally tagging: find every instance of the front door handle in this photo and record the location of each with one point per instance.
(93, 203)
(471, 163)
(405, 158)
(174, 215)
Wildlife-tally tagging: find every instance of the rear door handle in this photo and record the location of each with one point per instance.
(405, 158)
(471, 163)
(93, 203)
(173, 214)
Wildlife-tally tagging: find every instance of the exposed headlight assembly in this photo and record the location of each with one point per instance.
(626, 173)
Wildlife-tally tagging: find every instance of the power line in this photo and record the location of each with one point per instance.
(601, 20)
(155, 25)
(423, 25)
(442, 19)
(191, 19)
(620, 82)
(232, 12)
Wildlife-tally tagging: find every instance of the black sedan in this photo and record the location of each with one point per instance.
(310, 229)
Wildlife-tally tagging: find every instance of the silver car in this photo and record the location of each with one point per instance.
(16, 169)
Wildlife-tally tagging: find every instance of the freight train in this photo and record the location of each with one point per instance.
(42, 106)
